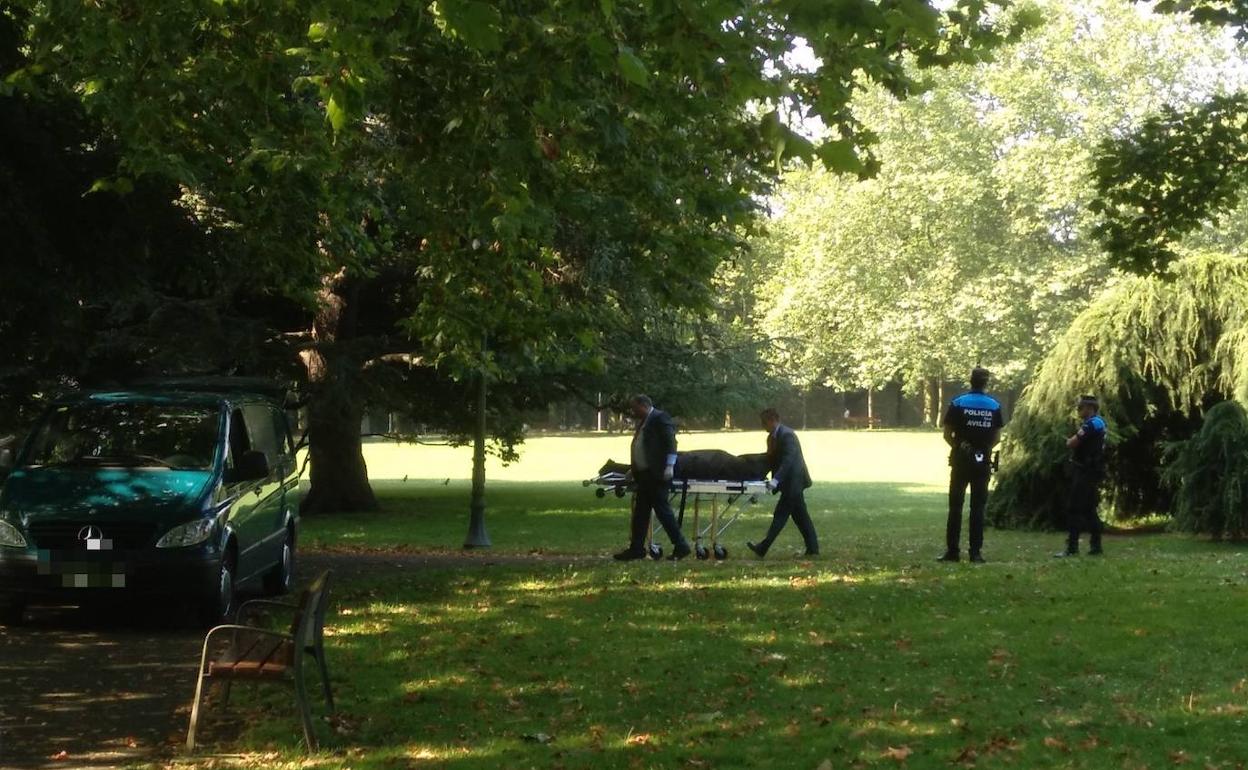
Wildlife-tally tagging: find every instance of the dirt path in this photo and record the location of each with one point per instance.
(93, 689)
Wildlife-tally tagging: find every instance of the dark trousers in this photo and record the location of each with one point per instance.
(792, 504)
(651, 496)
(962, 475)
(1081, 513)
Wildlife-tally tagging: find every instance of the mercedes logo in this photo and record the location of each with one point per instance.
(90, 532)
(94, 538)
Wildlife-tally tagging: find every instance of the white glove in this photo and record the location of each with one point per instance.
(668, 472)
(772, 485)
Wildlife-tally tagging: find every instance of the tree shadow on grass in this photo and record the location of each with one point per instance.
(781, 665)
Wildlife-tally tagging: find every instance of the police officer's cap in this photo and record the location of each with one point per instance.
(1089, 401)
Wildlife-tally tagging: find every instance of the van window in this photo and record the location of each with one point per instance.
(240, 442)
(263, 430)
(128, 434)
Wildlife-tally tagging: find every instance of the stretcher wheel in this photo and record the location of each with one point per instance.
(620, 491)
(721, 552)
(701, 552)
(600, 492)
(656, 551)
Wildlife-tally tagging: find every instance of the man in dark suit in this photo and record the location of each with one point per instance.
(791, 479)
(654, 462)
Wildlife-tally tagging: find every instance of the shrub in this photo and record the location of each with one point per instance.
(1208, 474)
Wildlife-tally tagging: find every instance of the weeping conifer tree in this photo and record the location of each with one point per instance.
(1158, 352)
(1209, 475)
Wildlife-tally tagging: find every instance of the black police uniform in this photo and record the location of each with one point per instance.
(975, 420)
(1087, 464)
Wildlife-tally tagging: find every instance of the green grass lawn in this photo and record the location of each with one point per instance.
(539, 505)
(871, 656)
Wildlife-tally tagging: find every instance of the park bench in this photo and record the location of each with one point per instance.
(260, 654)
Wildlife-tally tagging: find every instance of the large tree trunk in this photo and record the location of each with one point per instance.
(339, 476)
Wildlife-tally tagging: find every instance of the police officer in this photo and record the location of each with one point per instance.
(972, 426)
(1087, 467)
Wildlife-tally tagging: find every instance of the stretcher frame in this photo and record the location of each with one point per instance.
(731, 493)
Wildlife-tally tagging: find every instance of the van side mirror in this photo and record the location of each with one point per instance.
(249, 466)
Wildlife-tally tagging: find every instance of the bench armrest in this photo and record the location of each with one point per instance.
(235, 627)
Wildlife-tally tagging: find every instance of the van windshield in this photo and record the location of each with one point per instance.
(126, 434)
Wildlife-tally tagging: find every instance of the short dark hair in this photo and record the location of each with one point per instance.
(770, 413)
(641, 398)
(1089, 401)
(980, 377)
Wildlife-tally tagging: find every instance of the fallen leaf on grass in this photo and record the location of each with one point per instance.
(1055, 743)
(825, 765)
(542, 738)
(1180, 757)
(899, 753)
(59, 756)
(639, 739)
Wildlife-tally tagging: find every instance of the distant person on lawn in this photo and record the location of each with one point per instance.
(1087, 469)
(653, 464)
(972, 425)
(789, 477)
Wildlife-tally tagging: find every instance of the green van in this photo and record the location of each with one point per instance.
(164, 492)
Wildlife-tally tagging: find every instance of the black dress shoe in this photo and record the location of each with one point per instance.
(949, 556)
(812, 553)
(629, 554)
(758, 550)
(679, 552)
(977, 558)
(1096, 552)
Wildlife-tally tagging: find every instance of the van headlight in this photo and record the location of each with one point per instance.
(191, 533)
(11, 536)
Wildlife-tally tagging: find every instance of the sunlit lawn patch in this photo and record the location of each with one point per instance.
(871, 656)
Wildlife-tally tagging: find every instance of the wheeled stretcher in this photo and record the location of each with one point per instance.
(726, 499)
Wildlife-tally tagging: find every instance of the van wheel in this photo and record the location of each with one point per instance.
(219, 607)
(13, 613)
(281, 578)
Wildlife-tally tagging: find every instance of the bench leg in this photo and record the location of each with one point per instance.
(329, 695)
(305, 713)
(190, 733)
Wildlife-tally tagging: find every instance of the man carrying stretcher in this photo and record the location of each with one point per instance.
(789, 477)
(653, 465)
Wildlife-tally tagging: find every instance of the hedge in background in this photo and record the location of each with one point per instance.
(1158, 351)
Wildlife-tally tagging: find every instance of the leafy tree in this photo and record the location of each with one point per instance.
(1180, 171)
(1158, 351)
(971, 245)
(465, 187)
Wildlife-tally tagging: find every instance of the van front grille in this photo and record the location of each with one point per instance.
(64, 536)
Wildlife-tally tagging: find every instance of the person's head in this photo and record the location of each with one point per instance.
(1088, 406)
(979, 378)
(640, 405)
(770, 418)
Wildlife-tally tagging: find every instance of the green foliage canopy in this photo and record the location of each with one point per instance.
(971, 245)
(1158, 351)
